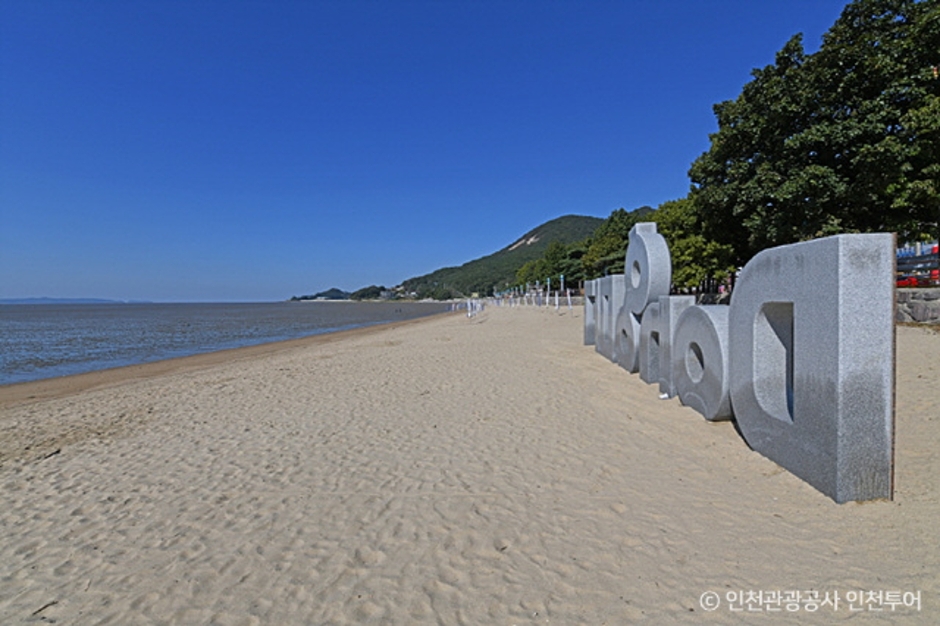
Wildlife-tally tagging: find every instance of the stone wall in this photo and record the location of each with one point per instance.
(918, 305)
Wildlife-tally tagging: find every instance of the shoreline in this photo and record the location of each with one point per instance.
(12, 394)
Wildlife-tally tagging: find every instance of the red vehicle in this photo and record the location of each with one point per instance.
(919, 266)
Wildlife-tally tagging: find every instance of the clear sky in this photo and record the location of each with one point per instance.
(243, 151)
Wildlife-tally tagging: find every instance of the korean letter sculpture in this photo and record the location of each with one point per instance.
(589, 309)
(802, 359)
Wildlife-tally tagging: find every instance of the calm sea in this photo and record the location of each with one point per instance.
(47, 340)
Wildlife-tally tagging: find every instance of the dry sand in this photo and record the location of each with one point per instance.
(454, 471)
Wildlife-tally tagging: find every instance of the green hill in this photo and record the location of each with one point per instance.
(499, 269)
(329, 294)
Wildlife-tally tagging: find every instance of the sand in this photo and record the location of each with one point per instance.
(446, 471)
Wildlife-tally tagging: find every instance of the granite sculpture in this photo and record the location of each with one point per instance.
(802, 359)
(700, 361)
(589, 313)
(812, 378)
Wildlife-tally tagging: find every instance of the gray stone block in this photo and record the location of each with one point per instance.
(602, 342)
(650, 348)
(812, 361)
(610, 297)
(590, 309)
(648, 267)
(925, 310)
(618, 286)
(627, 341)
(670, 308)
(700, 362)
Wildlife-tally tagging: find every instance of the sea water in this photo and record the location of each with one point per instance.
(47, 340)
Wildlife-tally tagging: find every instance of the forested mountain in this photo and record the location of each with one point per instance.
(499, 269)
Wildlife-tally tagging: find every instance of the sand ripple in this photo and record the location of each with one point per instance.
(455, 471)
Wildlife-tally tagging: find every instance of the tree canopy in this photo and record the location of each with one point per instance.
(607, 247)
(372, 292)
(694, 258)
(843, 140)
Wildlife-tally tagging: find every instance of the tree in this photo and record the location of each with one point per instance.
(555, 256)
(372, 292)
(844, 140)
(531, 271)
(694, 258)
(607, 248)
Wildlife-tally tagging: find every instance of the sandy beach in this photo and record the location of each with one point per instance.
(449, 470)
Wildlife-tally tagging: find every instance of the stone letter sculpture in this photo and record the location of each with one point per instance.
(700, 361)
(602, 287)
(589, 309)
(649, 276)
(610, 294)
(803, 358)
(618, 286)
(627, 340)
(648, 267)
(812, 361)
(650, 346)
(670, 308)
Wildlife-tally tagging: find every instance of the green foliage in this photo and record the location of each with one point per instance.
(372, 292)
(441, 292)
(554, 264)
(329, 294)
(844, 140)
(500, 270)
(601, 253)
(607, 249)
(532, 271)
(694, 258)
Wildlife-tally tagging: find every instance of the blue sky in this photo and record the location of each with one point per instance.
(250, 151)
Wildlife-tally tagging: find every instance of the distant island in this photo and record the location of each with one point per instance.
(372, 292)
(329, 294)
